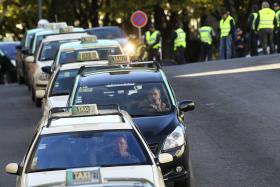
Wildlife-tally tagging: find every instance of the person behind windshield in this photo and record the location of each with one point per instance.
(153, 102)
(121, 153)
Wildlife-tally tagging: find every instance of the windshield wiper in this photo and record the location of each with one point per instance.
(59, 94)
(47, 169)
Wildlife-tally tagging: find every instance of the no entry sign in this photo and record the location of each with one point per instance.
(139, 19)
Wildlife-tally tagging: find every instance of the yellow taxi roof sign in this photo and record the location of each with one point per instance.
(78, 110)
(89, 39)
(66, 29)
(87, 56)
(118, 60)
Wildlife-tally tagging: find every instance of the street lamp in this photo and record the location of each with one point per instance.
(39, 9)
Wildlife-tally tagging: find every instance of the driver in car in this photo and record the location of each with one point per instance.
(154, 103)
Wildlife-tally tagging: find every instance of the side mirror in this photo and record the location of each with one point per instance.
(30, 59)
(24, 51)
(47, 69)
(165, 158)
(19, 47)
(186, 106)
(12, 168)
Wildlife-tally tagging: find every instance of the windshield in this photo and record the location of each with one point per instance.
(63, 82)
(9, 50)
(87, 149)
(107, 33)
(71, 56)
(138, 99)
(49, 49)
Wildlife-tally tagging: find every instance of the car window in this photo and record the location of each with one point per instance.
(49, 49)
(107, 33)
(63, 82)
(138, 99)
(29, 40)
(87, 149)
(103, 52)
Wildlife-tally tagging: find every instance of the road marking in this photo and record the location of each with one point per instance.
(233, 71)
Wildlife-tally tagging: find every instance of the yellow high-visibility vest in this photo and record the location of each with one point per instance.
(151, 38)
(278, 18)
(255, 15)
(180, 40)
(225, 26)
(205, 34)
(267, 16)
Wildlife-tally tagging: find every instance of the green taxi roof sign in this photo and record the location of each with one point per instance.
(87, 56)
(79, 110)
(89, 39)
(118, 60)
(66, 29)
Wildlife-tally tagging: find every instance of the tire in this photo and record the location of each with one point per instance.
(38, 102)
(183, 183)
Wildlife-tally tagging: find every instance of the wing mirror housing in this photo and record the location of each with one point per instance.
(186, 106)
(47, 69)
(30, 59)
(12, 168)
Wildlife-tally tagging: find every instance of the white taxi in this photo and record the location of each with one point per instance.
(62, 79)
(44, 57)
(87, 145)
(67, 52)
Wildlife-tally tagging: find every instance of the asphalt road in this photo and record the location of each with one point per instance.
(233, 133)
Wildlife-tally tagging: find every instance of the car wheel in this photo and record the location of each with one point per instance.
(183, 183)
(38, 102)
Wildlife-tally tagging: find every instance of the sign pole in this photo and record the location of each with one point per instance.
(140, 34)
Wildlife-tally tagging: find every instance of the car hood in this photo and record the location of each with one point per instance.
(58, 101)
(122, 41)
(58, 177)
(156, 128)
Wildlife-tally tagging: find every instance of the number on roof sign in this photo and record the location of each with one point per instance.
(87, 56)
(66, 29)
(89, 39)
(118, 59)
(85, 110)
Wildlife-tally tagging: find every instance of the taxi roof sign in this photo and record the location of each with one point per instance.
(66, 29)
(84, 110)
(87, 56)
(89, 39)
(118, 60)
(54, 26)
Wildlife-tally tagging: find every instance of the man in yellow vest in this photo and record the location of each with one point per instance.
(152, 42)
(206, 34)
(253, 34)
(276, 8)
(227, 30)
(265, 23)
(179, 43)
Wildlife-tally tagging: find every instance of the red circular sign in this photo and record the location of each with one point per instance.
(139, 19)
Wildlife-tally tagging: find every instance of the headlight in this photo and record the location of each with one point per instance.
(129, 48)
(43, 77)
(175, 139)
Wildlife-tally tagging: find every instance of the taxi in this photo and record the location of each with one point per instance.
(91, 145)
(146, 95)
(67, 52)
(22, 52)
(44, 57)
(62, 79)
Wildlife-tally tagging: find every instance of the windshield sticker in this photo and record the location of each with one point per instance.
(67, 74)
(85, 89)
(42, 146)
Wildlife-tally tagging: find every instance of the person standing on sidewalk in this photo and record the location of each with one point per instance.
(276, 8)
(253, 34)
(179, 43)
(206, 34)
(227, 30)
(266, 22)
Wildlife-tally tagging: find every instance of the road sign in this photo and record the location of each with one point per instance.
(139, 19)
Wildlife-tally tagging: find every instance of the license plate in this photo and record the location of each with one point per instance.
(82, 176)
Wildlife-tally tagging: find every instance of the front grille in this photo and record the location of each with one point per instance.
(153, 147)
